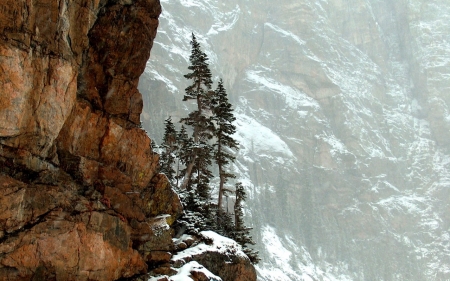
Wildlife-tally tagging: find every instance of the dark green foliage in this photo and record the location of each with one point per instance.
(211, 141)
(241, 196)
(193, 220)
(203, 127)
(184, 153)
(223, 223)
(199, 90)
(241, 232)
(170, 134)
(201, 75)
(169, 146)
(203, 172)
(154, 147)
(224, 118)
(198, 168)
(196, 152)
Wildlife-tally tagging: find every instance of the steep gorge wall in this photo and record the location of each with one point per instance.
(343, 122)
(80, 196)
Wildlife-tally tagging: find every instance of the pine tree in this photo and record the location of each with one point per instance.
(223, 222)
(224, 118)
(193, 219)
(184, 152)
(201, 75)
(154, 147)
(241, 232)
(200, 91)
(169, 145)
(213, 118)
(196, 152)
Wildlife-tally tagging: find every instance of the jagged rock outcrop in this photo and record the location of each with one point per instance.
(80, 197)
(220, 255)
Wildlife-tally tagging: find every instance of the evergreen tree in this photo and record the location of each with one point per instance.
(201, 75)
(193, 219)
(168, 146)
(203, 172)
(224, 118)
(223, 222)
(154, 147)
(213, 118)
(241, 232)
(196, 152)
(200, 91)
(184, 152)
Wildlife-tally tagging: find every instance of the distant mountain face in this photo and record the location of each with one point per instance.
(344, 127)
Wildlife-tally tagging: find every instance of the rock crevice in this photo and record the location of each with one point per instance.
(79, 189)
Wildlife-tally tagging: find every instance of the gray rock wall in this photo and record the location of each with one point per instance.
(343, 121)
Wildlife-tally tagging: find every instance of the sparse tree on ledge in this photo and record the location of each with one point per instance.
(168, 146)
(224, 118)
(212, 126)
(196, 154)
(241, 232)
(200, 91)
(184, 152)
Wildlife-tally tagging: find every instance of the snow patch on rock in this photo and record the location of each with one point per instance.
(220, 244)
(257, 139)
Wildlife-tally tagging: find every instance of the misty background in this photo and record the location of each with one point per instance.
(343, 121)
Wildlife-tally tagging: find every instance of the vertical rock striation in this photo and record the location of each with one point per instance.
(343, 118)
(80, 197)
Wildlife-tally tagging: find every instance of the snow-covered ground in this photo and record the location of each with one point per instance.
(184, 263)
(220, 244)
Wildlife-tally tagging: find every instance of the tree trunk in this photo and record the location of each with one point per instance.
(221, 183)
(187, 176)
(178, 171)
(221, 177)
(190, 166)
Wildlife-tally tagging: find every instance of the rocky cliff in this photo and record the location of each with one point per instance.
(343, 120)
(80, 197)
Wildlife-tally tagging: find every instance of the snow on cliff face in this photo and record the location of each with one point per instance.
(344, 126)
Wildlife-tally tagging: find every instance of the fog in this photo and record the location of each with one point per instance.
(344, 127)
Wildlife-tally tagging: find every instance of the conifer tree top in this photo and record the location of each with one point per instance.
(169, 132)
(201, 75)
(223, 110)
(224, 117)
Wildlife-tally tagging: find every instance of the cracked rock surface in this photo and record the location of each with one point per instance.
(79, 188)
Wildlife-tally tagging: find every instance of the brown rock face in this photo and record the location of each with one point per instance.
(80, 197)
